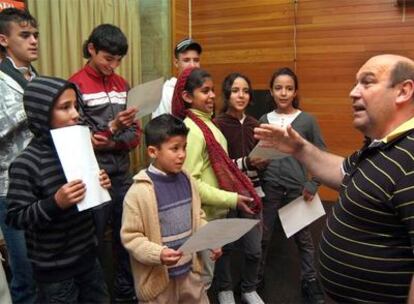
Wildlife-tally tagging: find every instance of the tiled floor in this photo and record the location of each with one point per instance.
(282, 272)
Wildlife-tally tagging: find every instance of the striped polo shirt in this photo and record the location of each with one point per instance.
(366, 249)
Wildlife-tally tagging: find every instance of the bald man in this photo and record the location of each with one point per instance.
(366, 249)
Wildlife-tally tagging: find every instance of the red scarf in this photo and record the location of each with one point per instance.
(229, 177)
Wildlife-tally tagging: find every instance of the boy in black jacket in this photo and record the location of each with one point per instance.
(60, 240)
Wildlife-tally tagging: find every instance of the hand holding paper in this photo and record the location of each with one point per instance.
(299, 213)
(74, 148)
(217, 233)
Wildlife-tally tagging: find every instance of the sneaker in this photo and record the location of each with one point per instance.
(226, 297)
(251, 298)
(312, 291)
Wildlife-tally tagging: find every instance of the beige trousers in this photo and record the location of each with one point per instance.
(188, 289)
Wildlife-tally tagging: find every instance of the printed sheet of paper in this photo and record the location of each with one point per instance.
(146, 96)
(218, 233)
(75, 151)
(266, 153)
(299, 213)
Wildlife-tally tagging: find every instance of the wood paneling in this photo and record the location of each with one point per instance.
(334, 38)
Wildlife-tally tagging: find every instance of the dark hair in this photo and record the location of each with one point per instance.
(194, 81)
(228, 84)
(290, 73)
(108, 38)
(401, 71)
(12, 14)
(163, 127)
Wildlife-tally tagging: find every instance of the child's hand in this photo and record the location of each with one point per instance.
(70, 194)
(101, 142)
(243, 203)
(123, 119)
(259, 163)
(170, 256)
(215, 254)
(104, 179)
(307, 196)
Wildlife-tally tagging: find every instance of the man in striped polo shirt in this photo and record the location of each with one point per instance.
(366, 249)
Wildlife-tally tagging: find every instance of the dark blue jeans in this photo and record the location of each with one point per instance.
(276, 197)
(123, 285)
(88, 287)
(22, 287)
(250, 244)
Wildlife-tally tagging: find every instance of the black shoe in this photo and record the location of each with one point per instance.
(312, 291)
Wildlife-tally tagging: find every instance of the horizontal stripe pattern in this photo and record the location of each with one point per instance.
(57, 240)
(366, 249)
(102, 98)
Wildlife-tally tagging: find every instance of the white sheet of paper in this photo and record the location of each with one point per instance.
(217, 233)
(266, 153)
(74, 147)
(146, 96)
(299, 213)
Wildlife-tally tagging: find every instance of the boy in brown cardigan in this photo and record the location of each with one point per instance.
(161, 211)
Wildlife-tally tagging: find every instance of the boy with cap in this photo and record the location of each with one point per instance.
(187, 54)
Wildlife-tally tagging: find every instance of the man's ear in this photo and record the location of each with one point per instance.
(4, 41)
(405, 91)
(187, 97)
(152, 151)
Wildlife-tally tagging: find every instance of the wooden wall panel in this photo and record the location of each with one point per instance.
(334, 38)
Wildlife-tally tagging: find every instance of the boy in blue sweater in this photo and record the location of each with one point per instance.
(161, 211)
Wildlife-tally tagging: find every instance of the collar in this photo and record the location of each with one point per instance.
(94, 74)
(23, 70)
(404, 127)
(156, 171)
(202, 115)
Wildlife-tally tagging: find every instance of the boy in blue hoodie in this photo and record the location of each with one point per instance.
(60, 240)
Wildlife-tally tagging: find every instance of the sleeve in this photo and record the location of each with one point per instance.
(315, 138)
(403, 203)
(132, 231)
(127, 139)
(11, 117)
(24, 209)
(194, 163)
(165, 103)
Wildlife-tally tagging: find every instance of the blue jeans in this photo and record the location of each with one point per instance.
(250, 244)
(277, 197)
(22, 287)
(88, 287)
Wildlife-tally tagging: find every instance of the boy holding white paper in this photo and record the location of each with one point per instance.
(115, 132)
(162, 209)
(60, 240)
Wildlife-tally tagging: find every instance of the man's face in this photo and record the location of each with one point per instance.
(21, 43)
(103, 62)
(373, 98)
(190, 58)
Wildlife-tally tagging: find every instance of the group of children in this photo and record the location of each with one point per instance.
(200, 171)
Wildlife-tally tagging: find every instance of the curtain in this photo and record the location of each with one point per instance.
(65, 24)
